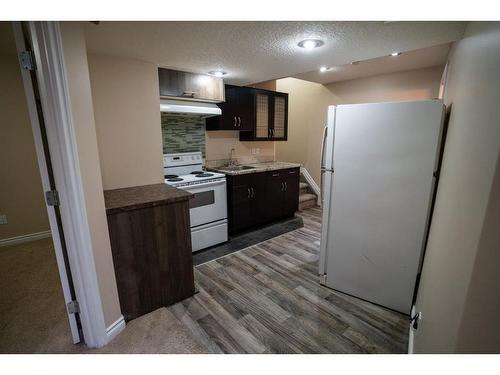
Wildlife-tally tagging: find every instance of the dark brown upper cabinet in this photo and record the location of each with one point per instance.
(183, 85)
(237, 110)
(259, 115)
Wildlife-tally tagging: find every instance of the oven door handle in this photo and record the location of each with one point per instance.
(211, 183)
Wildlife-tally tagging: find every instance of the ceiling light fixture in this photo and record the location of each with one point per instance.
(323, 69)
(217, 73)
(395, 53)
(310, 43)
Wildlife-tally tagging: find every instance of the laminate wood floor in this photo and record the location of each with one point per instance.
(267, 299)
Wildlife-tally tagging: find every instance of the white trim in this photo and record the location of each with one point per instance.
(114, 329)
(411, 334)
(312, 184)
(54, 93)
(44, 174)
(25, 238)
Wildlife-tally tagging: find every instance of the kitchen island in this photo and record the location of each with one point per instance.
(150, 238)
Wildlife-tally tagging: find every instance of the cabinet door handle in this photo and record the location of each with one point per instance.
(239, 121)
(282, 186)
(235, 122)
(248, 197)
(253, 193)
(272, 133)
(286, 186)
(189, 94)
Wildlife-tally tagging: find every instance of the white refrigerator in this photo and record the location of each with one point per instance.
(378, 173)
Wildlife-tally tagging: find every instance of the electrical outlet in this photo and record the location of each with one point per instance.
(3, 219)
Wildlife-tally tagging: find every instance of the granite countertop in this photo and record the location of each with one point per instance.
(257, 167)
(132, 198)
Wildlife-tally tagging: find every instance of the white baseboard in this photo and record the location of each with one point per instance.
(25, 238)
(411, 333)
(114, 329)
(314, 186)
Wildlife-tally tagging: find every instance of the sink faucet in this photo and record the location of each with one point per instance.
(231, 160)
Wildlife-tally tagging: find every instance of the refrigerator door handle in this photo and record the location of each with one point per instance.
(321, 189)
(322, 167)
(323, 142)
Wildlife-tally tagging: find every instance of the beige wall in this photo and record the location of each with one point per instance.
(459, 295)
(127, 114)
(219, 144)
(266, 85)
(415, 84)
(307, 107)
(479, 330)
(21, 195)
(77, 71)
(308, 104)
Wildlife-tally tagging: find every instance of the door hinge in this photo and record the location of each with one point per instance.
(27, 60)
(52, 197)
(322, 279)
(73, 307)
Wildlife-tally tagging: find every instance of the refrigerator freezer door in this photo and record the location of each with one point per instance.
(384, 158)
(327, 151)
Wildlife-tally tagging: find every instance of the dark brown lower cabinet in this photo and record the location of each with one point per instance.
(291, 178)
(258, 198)
(152, 256)
(246, 194)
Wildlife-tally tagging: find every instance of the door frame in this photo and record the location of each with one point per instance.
(54, 95)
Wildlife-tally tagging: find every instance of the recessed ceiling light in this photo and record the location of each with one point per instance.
(395, 53)
(324, 69)
(310, 43)
(217, 73)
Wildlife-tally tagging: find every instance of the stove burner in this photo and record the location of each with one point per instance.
(175, 179)
(197, 172)
(171, 176)
(204, 175)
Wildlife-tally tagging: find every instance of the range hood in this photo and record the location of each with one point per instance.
(189, 108)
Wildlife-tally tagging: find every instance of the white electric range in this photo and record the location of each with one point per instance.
(208, 207)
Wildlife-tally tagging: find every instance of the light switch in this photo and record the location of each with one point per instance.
(3, 219)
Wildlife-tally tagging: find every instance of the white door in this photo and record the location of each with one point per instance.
(48, 184)
(384, 158)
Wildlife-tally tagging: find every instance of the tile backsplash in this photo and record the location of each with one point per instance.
(182, 134)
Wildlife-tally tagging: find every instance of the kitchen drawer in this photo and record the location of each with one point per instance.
(208, 235)
(247, 179)
(281, 173)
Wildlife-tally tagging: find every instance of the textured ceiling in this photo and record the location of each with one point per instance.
(420, 58)
(258, 51)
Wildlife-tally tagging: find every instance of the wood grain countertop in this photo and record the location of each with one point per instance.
(132, 198)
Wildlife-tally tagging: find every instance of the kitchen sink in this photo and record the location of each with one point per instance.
(237, 168)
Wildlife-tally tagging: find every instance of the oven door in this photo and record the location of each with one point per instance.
(209, 203)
